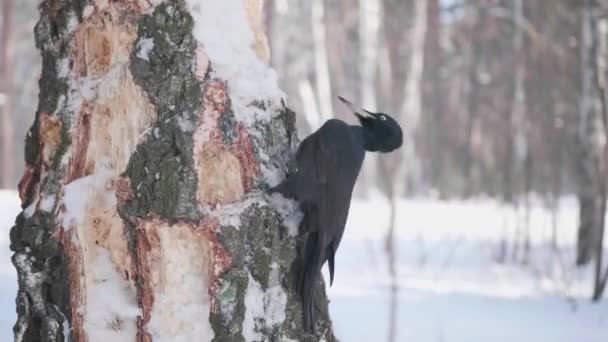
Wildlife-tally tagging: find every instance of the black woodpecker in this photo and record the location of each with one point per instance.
(327, 165)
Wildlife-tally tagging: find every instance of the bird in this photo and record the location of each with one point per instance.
(327, 165)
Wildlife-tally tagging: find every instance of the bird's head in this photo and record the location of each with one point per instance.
(383, 129)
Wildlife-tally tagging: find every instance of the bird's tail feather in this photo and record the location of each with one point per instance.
(313, 260)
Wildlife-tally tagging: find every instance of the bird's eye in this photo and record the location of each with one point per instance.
(382, 117)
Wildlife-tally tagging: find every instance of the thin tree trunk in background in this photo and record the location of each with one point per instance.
(520, 161)
(144, 213)
(7, 152)
(321, 62)
(433, 95)
(391, 251)
(369, 21)
(527, 207)
(293, 56)
(411, 107)
(389, 170)
(342, 25)
(370, 13)
(601, 80)
(472, 102)
(592, 141)
(398, 168)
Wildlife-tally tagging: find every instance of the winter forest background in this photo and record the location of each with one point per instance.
(488, 225)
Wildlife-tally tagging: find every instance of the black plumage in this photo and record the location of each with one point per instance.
(327, 166)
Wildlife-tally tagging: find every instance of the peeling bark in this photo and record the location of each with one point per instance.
(145, 216)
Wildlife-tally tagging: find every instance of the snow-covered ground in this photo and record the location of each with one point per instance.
(450, 286)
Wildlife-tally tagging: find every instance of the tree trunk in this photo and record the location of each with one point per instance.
(159, 125)
(293, 54)
(519, 160)
(592, 141)
(472, 102)
(601, 81)
(7, 153)
(369, 21)
(433, 97)
(322, 75)
(411, 107)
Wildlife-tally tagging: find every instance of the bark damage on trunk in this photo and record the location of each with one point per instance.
(159, 126)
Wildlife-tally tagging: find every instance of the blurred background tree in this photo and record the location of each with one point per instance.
(19, 72)
(498, 85)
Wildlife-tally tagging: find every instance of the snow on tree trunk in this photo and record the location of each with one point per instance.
(158, 127)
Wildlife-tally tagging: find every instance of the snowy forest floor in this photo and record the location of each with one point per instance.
(452, 287)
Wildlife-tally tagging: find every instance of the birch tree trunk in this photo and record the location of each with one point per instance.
(600, 18)
(321, 62)
(399, 168)
(369, 21)
(518, 129)
(433, 94)
(293, 55)
(411, 107)
(472, 101)
(592, 142)
(159, 123)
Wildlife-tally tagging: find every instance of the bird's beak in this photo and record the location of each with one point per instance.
(359, 112)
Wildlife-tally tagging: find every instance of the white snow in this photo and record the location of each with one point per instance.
(63, 68)
(65, 325)
(29, 211)
(78, 194)
(228, 42)
(450, 288)
(273, 175)
(181, 304)
(263, 306)
(48, 203)
(254, 307)
(289, 210)
(111, 310)
(144, 47)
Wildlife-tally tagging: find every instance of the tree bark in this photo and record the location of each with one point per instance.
(433, 95)
(600, 40)
(159, 125)
(592, 141)
(369, 21)
(322, 76)
(293, 54)
(411, 107)
(472, 102)
(7, 153)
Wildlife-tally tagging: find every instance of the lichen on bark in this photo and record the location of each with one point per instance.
(43, 299)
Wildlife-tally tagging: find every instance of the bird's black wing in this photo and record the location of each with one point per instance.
(328, 165)
(312, 161)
